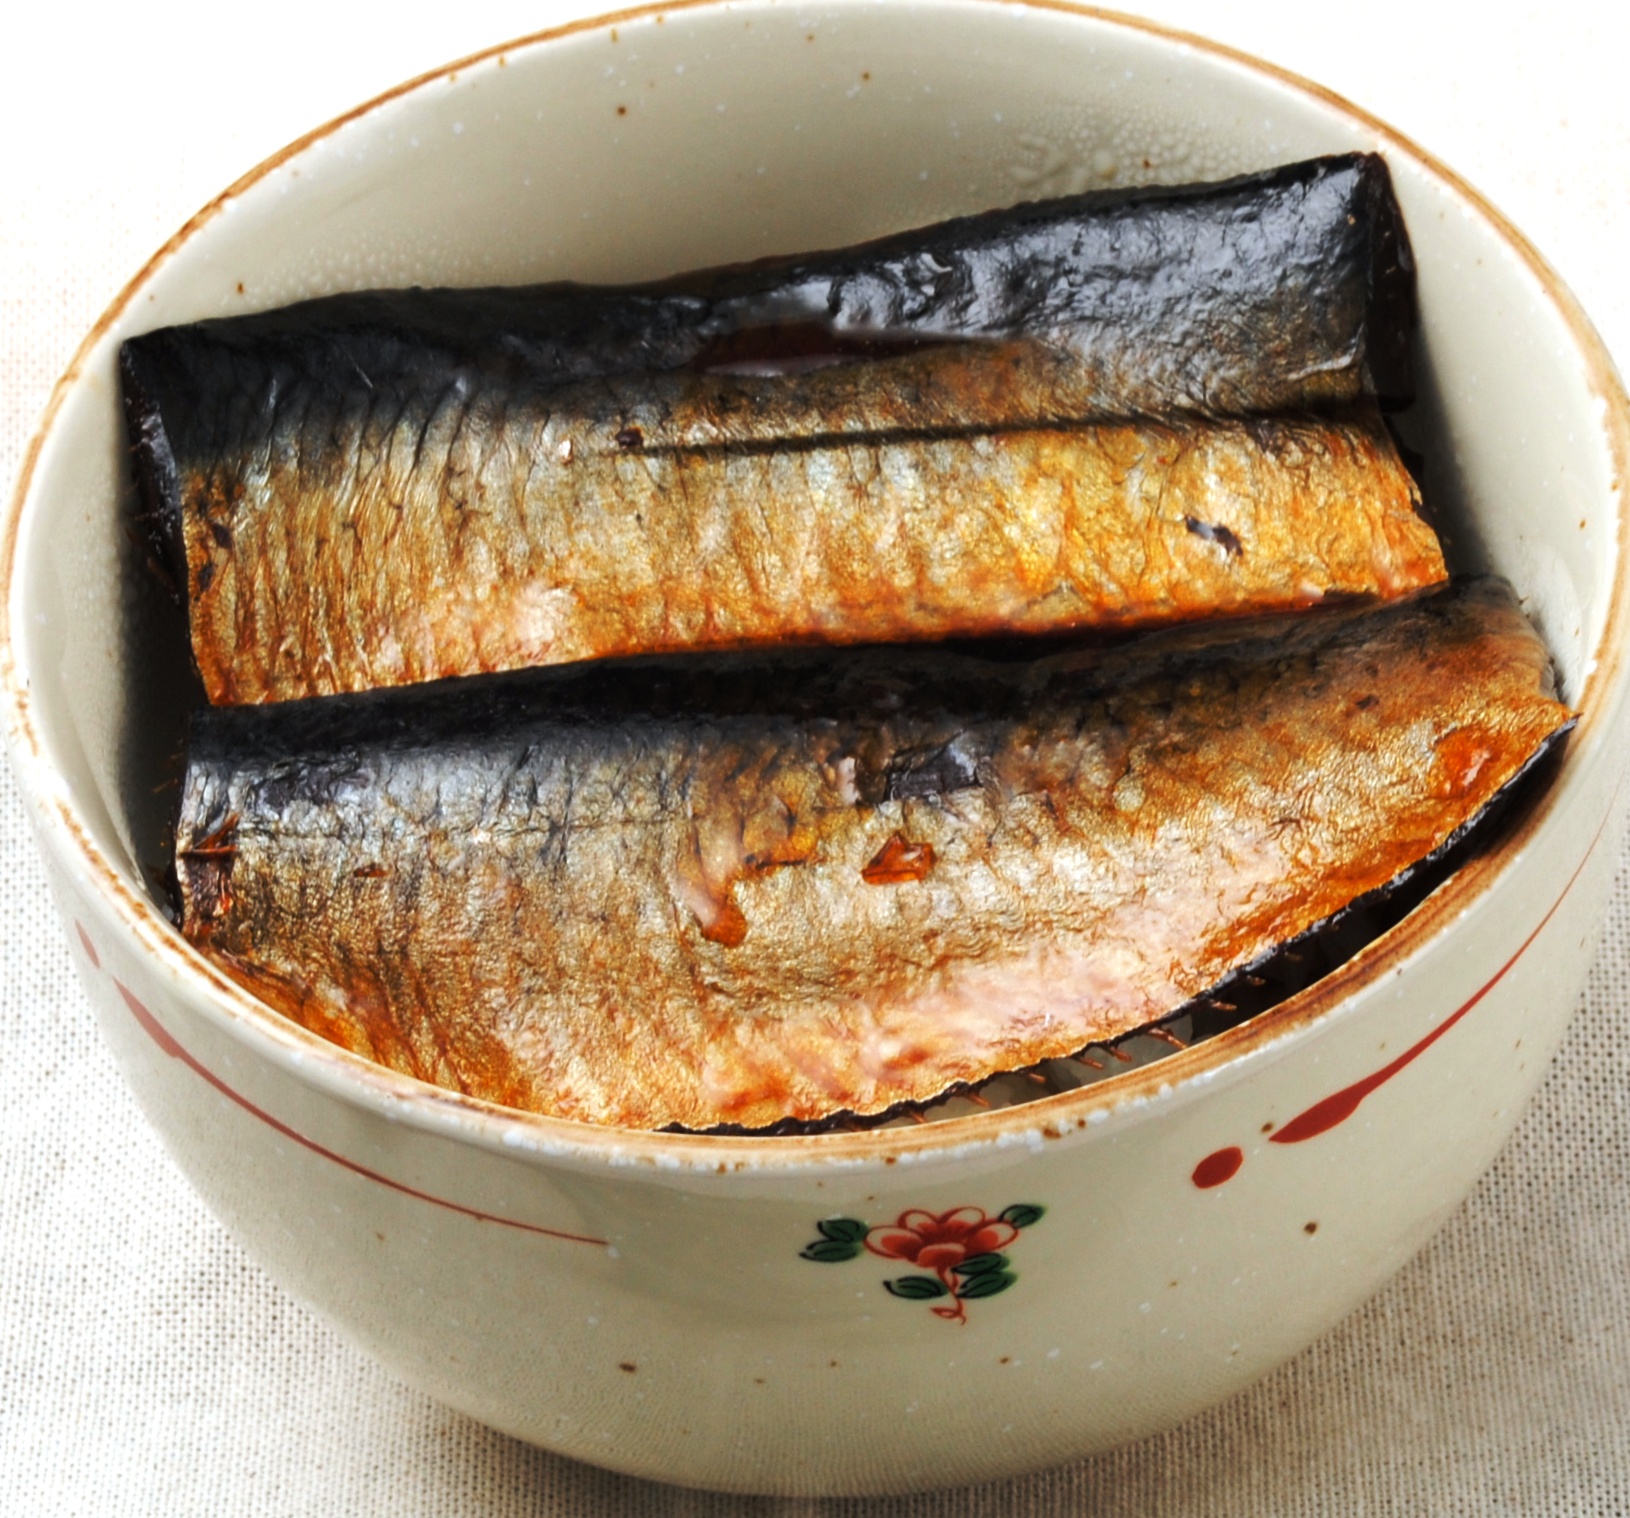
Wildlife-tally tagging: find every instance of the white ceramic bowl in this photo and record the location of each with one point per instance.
(642, 1300)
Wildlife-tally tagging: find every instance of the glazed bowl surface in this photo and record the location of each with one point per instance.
(714, 1311)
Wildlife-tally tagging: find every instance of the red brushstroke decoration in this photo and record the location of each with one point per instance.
(1336, 1108)
(1216, 1168)
(1322, 1116)
(161, 1036)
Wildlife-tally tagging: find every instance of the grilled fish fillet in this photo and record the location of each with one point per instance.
(747, 888)
(1030, 420)
(354, 572)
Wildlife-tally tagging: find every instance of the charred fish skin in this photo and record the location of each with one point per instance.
(737, 890)
(468, 415)
(1279, 290)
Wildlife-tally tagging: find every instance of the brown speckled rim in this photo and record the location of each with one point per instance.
(316, 1063)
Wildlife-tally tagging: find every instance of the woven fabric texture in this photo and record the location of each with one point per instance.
(148, 1368)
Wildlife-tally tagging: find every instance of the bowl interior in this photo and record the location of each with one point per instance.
(671, 140)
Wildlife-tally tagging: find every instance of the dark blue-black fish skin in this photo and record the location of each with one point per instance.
(1275, 291)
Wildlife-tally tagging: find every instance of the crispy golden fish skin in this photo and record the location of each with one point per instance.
(748, 888)
(551, 538)
(391, 487)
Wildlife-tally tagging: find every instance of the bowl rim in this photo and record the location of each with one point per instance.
(313, 1061)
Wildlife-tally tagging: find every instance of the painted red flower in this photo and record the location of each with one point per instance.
(960, 1250)
(939, 1242)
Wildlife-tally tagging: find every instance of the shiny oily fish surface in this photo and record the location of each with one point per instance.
(751, 888)
(1050, 417)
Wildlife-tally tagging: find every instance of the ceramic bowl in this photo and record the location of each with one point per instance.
(714, 1311)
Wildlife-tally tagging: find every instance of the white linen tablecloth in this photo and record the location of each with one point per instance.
(147, 1367)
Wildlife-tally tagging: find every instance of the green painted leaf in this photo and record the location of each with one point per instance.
(980, 1264)
(829, 1251)
(986, 1285)
(1023, 1214)
(844, 1230)
(916, 1288)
